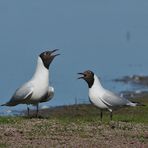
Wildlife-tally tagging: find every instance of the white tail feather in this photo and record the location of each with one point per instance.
(132, 104)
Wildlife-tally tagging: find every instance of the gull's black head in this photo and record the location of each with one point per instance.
(47, 57)
(88, 76)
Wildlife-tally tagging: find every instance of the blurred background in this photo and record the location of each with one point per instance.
(109, 37)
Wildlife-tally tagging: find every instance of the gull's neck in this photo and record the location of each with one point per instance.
(41, 72)
(97, 84)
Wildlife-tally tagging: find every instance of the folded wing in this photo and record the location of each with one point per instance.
(21, 95)
(111, 99)
(49, 95)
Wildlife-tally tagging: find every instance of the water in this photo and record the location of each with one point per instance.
(108, 37)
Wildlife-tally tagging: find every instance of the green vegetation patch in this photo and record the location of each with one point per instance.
(10, 120)
(3, 145)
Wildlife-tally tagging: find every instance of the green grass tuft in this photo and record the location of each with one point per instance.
(3, 145)
(10, 120)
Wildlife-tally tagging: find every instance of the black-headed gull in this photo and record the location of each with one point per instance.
(37, 89)
(101, 97)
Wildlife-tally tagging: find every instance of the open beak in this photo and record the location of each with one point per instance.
(53, 51)
(82, 75)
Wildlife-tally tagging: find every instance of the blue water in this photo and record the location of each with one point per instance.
(108, 37)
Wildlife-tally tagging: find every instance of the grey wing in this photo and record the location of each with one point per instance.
(112, 99)
(49, 94)
(21, 95)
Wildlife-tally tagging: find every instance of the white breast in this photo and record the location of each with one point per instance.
(96, 92)
(40, 81)
(95, 99)
(39, 90)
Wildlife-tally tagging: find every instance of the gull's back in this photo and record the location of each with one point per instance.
(22, 94)
(113, 100)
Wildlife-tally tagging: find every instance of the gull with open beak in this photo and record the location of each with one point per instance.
(37, 89)
(101, 97)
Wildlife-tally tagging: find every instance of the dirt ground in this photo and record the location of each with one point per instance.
(51, 133)
(57, 131)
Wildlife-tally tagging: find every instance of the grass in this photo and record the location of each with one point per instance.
(3, 145)
(10, 120)
(77, 126)
(88, 113)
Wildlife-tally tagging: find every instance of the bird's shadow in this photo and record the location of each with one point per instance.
(34, 117)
